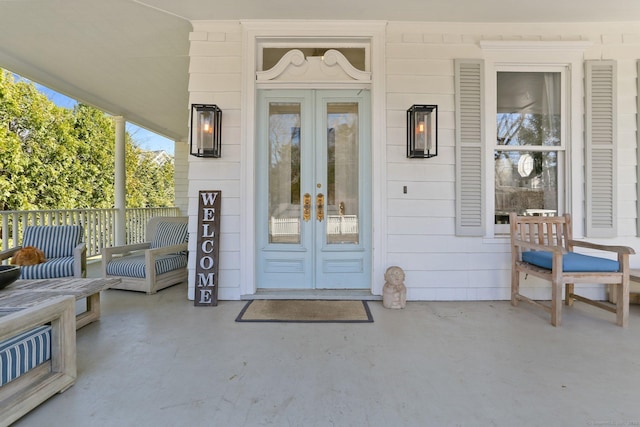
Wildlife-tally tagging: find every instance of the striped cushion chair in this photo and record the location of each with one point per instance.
(158, 263)
(37, 355)
(63, 248)
(23, 352)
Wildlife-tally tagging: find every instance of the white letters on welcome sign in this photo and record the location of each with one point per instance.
(208, 248)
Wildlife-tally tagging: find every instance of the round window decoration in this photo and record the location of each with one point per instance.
(525, 165)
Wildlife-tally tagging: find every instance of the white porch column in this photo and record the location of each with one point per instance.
(120, 181)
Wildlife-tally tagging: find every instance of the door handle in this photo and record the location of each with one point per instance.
(306, 207)
(320, 207)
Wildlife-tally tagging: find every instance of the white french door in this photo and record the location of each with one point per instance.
(313, 199)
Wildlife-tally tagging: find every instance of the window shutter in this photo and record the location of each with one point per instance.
(600, 148)
(469, 148)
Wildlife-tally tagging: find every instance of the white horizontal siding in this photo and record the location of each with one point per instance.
(215, 78)
(420, 236)
(421, 223)
(199, 82)
(215, 49)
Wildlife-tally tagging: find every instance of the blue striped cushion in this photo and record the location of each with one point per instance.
(55, 241)
(169, 233)
(24, 352)
(133, 266)
(53, 268)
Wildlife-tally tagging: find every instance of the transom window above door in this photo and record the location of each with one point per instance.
(297, 69)
(357, 56)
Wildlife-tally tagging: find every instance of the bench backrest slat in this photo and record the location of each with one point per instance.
(542, 230)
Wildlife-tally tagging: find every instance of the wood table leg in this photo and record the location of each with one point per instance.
(93, 311)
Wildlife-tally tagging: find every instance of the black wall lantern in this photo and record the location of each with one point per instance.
(422, 131)
(206, 130)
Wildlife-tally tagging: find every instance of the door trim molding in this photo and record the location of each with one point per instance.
(252, 32)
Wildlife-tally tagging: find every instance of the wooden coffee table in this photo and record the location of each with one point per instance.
(26, 293)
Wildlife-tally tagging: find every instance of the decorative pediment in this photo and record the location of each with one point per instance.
(332, 67)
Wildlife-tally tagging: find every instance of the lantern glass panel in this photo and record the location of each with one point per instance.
(422, 131)
(205, 130)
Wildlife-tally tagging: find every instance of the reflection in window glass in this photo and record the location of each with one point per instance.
(526, 183)
(528, 125)
(284, 173)
(342, 173)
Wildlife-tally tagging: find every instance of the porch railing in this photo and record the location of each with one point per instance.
(98, 224)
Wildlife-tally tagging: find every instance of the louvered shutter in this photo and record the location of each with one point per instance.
(600, 148)
(469, 94)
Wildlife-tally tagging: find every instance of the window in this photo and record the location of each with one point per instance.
(522, 108)
(357, 56)
(529, 148)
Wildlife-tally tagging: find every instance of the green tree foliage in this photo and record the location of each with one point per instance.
(149, 184)
(58, 158)
(96, 152)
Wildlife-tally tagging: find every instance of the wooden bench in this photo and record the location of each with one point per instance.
(634, 292)
(550, 239)
(30, 389)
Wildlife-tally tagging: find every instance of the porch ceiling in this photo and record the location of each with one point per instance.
(130, 57)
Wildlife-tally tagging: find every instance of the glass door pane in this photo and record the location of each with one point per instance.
(284, 173)
(342, 173)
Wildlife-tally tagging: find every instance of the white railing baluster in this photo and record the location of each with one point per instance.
(98, 224)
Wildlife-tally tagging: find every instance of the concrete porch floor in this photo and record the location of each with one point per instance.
(156, 360)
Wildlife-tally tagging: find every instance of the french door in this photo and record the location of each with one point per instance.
(313, 227)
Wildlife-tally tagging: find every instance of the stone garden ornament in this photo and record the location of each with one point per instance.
(394, 292)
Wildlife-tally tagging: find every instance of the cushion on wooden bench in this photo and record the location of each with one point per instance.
(571, 262)
(134, 265)
(55, 241)
(58, 243)
(52, 269)
(24, 352)
(169, 234)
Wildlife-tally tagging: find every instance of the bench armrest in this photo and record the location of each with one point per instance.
(53, 310)
(80, 260)
(126, 248)
(608, 248)
(9, 253)
(182, 247)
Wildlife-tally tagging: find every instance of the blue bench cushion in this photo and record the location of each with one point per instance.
(133, 266)
(571, 262)
(56, 241)
(53, 268)
(169, 233)
(24, 352)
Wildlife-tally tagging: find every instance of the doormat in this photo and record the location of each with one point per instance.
(306, 311)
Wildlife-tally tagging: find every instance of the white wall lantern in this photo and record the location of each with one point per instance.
(206, 130)
(422, 131)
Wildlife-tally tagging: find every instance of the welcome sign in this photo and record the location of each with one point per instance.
(206, 290)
